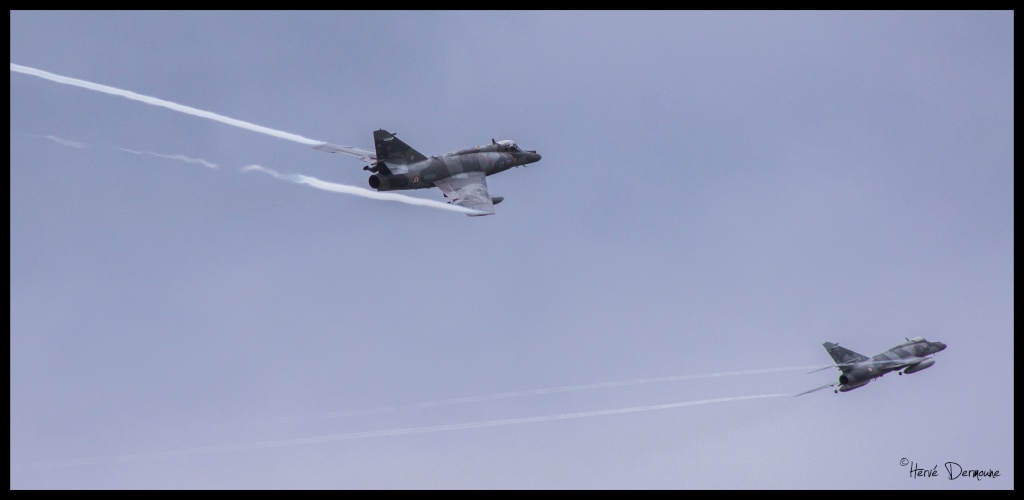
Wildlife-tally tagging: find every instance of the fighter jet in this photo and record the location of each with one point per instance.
(460, 175)
(857, 370)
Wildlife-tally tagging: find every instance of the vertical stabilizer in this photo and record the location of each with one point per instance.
(393, 151)
(842, 355)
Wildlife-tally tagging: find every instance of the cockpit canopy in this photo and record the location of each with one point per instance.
(917, 339)
(509, 146)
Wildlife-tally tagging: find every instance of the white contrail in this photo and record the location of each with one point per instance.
(160, 102)
(366, 193)
(516, 394)
(65, 142)
(302, 179)
(62, 142)
(80, 145)
(371, 434)
(183, 158)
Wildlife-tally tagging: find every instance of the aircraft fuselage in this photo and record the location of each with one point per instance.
(900, 358)
(422, 174)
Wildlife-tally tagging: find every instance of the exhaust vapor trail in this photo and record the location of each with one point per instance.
(366, 193)
(80, 145)
(166, 104)
(64, 142)
(529, 392)
(301, 179)
(183, 158)
(371, 434)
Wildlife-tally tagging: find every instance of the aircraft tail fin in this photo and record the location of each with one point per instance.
(392, 150)
(842, 355)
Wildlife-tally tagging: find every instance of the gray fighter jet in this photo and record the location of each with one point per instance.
(460, 175)
(857, 370)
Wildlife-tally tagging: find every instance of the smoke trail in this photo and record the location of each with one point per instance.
(381, 433)
(80, 145)
(517, 394)
(65, 142)
(366, 193)
(58, 140)
(160, 102)
(183, 158)
(301, 179)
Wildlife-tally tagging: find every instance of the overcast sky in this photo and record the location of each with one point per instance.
(720, 193)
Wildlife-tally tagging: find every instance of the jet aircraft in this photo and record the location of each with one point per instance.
(857, 369)
(460, 175)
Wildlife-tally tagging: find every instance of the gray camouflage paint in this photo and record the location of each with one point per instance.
(400, 167)
(858, 370)
(460, 175)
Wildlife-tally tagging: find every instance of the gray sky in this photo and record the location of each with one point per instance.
(719, 193)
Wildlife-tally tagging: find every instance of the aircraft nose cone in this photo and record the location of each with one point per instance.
(940, 345)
